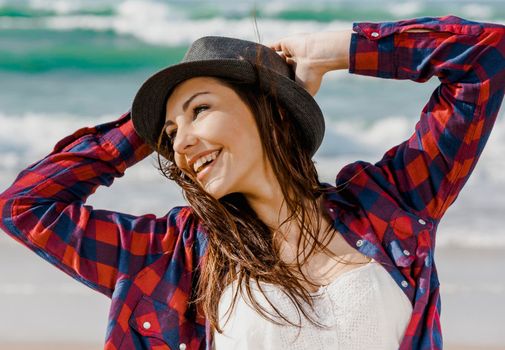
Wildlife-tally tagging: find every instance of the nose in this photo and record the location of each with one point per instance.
(184, 139)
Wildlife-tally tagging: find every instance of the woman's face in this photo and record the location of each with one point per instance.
(207, 121)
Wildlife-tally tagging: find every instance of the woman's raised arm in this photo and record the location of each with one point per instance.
(45, 208)
(429, 169)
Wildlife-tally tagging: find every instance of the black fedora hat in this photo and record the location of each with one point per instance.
(237, 59)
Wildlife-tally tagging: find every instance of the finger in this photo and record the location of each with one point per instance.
(275, 46)
(281, 55)
(280, 48)
(286, 57)
(289, 60)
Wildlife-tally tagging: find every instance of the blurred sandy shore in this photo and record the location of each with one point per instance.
(73, 318)
(462, 347)
(73, 346)
(49, 346)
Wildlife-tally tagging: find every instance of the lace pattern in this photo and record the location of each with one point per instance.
(362, 309)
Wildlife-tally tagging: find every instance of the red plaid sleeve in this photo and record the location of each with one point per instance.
(429, 169)
(45, 208)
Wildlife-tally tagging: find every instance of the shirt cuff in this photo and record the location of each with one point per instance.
(373, 49)
(123, 139)
(118, 138)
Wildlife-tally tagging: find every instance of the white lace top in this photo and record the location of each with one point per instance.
(363, 308)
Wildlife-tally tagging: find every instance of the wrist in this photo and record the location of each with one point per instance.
(335, 46)
(344, 49)
(342, 42)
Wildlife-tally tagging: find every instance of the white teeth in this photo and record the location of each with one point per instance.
(202, 160)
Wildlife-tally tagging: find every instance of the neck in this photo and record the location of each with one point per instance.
(273, 211)
(268, 202)
(270, 206)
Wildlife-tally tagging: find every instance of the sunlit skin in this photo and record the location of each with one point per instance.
(217, 119)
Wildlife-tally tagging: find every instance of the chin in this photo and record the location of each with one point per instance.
(215, 189)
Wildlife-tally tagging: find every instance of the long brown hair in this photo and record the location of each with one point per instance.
(241, 247)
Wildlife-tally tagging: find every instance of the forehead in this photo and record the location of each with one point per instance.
(186, 89)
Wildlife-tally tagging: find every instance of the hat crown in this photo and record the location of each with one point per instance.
(239, 60)
(223, 48)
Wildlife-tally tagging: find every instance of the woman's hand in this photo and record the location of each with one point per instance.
(312, 55)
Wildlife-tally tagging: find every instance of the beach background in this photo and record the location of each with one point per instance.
(65, 64)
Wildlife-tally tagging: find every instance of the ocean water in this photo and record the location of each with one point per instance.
(65, 64)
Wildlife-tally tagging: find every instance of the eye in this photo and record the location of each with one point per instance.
(198, 109)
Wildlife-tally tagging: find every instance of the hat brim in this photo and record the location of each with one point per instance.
(149, 105)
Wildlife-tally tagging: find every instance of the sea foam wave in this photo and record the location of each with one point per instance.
(313, 10)
(372, 139)
(475, 220)
(173, 23)
(168, 31)
(125, 35)
(30, 135)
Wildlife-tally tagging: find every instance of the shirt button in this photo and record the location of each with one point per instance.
(421, 221)
(405, 284)
(146, 325)
(374, 34)
(359, 243)
(182, 346)
(406, 252)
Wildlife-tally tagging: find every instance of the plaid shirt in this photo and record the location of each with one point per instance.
(388, 210)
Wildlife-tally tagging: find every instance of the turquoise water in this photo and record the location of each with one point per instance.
(45, 44)
(122, 36)
(44, 50)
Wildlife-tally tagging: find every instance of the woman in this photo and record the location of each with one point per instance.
(265, 255)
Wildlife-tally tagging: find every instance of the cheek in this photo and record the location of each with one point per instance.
(243, 133)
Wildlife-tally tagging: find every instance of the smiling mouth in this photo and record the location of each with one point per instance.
(205, 168)
(201, 164)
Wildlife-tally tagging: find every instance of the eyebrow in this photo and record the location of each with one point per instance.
(186, 105)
